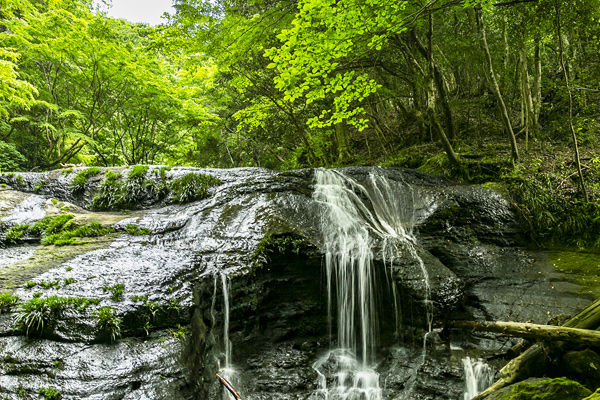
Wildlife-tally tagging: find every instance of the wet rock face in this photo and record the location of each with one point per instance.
(157, 276)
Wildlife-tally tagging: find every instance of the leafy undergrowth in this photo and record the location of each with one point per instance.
(543, 186)
(118, 193)
(58, 230)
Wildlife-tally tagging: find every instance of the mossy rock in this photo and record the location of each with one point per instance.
(543, 389)
(584, 366)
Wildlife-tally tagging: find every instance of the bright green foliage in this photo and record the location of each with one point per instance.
(80, 180)
(312, 61)
(50, 393)
(59, 230)
(10, 158)
(7, 300)
(14, 91)
(68, 237)
(36, 313)
(191, 187)
(108, 196)
(108, 323)
(133, 229)
(116, 291)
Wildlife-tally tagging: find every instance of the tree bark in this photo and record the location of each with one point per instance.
(439, 85)
(528, 113)
(495, 87)
(537, 81)
(568, 84)
(534, 331)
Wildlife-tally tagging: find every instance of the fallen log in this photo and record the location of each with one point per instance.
(534, 331)
(533, 359)
(229, 387)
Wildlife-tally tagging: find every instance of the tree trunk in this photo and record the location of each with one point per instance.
(495, 87)
(533, 331)
(526, 97)
(568, 84)
(439, 85)
(431, 100)
(537, 82)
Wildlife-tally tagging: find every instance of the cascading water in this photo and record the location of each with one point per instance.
(227, 370)
(478, 376)
(357, 218)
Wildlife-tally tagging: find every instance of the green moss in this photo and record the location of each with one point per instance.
(191, 187)
(584, 266)
(50, 393)
(116, 290)
(108, 323)
(546, 389)
(16, 233)
(79, 183)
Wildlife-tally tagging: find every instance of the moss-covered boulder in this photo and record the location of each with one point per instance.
(584, 366)
(543, 389)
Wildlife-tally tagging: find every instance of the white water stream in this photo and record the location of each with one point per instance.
(478, 376)
(357, 218)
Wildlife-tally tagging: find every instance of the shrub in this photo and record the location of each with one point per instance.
(50, 393)
(78, 183)
(10, 158)
(192, 187)
(7, 301)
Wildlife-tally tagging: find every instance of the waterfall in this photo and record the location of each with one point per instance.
(357, 218)
(478, 376)
(227, 371)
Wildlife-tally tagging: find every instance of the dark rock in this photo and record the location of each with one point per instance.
(584, 366)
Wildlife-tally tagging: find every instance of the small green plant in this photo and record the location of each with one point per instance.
(68, 237)
(50, 393)
(66, 171)
(68, 281)
(107, 322)
(179, 333)
(34, 315)
(68, 268)
(79, 183)
(29, 284)
(133, 229)
(7, 301)
(37, 294)
(191, 187)
(116, 290)
(20, 181)
(49, 285)
(16, 233)
(143, 298)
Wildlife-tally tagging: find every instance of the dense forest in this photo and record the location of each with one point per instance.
(502, 93)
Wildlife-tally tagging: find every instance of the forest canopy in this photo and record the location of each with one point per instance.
(287, 84)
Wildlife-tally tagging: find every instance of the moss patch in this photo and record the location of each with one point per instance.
(543, 389)
(584, 266)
